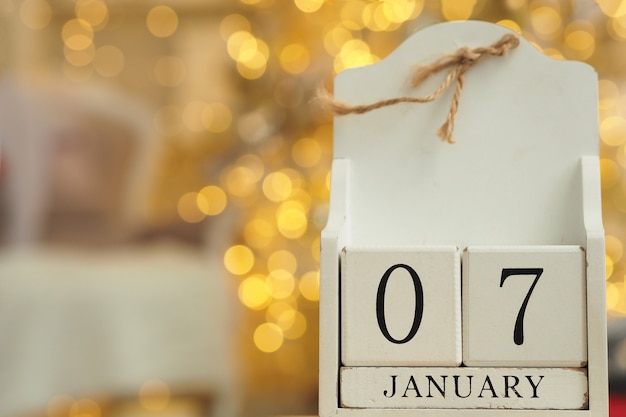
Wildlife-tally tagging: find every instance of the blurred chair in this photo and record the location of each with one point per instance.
(81, 314)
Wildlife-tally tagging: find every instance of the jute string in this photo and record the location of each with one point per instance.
(459, 62)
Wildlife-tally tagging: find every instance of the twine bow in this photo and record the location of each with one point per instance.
(460, 61)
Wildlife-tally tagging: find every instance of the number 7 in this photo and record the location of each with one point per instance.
(518, 331)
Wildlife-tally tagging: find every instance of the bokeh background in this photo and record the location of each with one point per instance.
(165, 178)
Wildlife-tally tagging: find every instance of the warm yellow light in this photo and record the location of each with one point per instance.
(374, 17)
(306, 152)
(79, 58)
(109, 61)
(268, 337)
(281, 284)
(351, 15)
(154, 395)
(294, 58)
(292, 222)
(239, 259)
(613, 130)
(170, 71)
(335, 38)
(546, 21)
(85, 407)
(162, 21)
(192, 115)
(354, 53)
(77, 34)
(188, 208)
(609, 266)
(216, 117)
(507, 23)
(614, 248)
(612, 296)
(310, 285)
(457, 10)
(399, 11)
(581, 42)
(240, 181)
(617, 28)
(315, 249)
(254, 163)
(612, 8)
(610, 172)
(282, 259)
(168, 120)
(94, 12)
(609, 94)
(309, 6)
(277, 186)
(233, 23)
(514, 4)
(35, 14)
(297, 324)
(259, 233)
(278, 309)
(211, 200)
(254, 292)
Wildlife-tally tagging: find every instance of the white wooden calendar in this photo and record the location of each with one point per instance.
(468, 278)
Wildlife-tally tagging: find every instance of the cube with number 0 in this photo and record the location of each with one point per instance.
(524, 306)
(401, 307)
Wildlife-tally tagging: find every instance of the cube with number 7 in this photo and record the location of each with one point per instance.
(524, 306)
(401, 306)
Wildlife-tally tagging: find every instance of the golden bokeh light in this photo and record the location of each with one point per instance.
(612, 8)
(277, 186)
(612, 295)
(239, 259)
(77, 74)
(546, 21)
(613, 130)
(511, 24)
(296, 324)
(354, 53)
(609, 94)
(188, 208)
(216, 117)
(280, 283)
(268, 337)
(35, 14)
(609, 266)
(282, 259)
(85, 407)
(162, 21)
(352, 15)
(77, 34)
(240, 181)
(457, 10)
(94, 12)
(169, 71)
(212, 200)
(609, 172)
(306, 152)
(79, 58)
(310, 286)
(614, 248)
(154, 395)
(233, 23)
(295, 58)
(291, 220)
(309, 6)
(259, 233)
(254, 292)
(109, 61)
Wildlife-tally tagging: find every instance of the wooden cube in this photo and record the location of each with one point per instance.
(401, 306)
(524, 306)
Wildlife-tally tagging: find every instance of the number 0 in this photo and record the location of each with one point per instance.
(380, 303)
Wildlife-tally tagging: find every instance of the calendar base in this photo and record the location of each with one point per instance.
(464, 388)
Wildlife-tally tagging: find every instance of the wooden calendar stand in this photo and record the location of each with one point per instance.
(516, 197)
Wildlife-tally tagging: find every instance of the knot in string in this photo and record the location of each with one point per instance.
(459, 62)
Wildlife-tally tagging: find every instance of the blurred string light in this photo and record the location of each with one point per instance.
(279, 184)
